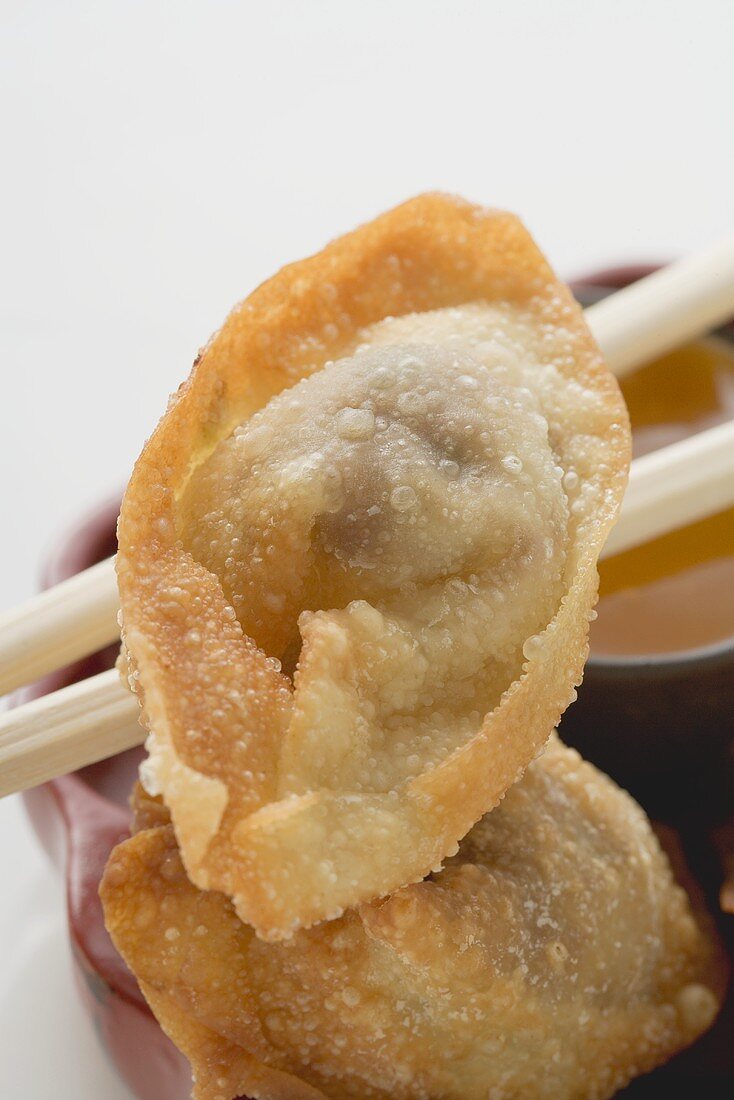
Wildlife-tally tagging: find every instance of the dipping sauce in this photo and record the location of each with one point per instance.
(677, 592)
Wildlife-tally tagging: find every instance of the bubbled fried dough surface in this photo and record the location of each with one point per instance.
(390, 475)
(554, 957)
(415, 498)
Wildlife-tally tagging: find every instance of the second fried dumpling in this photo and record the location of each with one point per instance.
(553, 957)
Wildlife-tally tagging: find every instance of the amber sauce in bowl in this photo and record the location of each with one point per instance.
(675, 593)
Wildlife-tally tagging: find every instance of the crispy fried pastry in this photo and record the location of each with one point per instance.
(357, 559)
(553, 957)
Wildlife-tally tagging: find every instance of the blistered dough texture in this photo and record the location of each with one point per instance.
(405, 509)
(357, 559)
(553, 957)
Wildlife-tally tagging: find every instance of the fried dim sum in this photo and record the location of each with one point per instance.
(357, 559)
(553, 957)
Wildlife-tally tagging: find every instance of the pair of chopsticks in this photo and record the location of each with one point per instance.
(98, 717)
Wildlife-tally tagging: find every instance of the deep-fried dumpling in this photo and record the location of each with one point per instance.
(553, 957)
(389, 477)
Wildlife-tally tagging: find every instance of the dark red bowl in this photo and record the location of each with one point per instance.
(80, 817)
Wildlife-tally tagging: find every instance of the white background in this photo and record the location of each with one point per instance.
(159, 160)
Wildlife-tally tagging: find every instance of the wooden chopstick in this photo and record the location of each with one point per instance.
(58, 626)
(66, 730)
(98, 717)
(631, 326)
(647, 318)
(665, 309)
(668, 488)
(674, 486)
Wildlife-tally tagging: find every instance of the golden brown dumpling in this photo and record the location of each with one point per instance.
(357, 559)
(553, 957)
